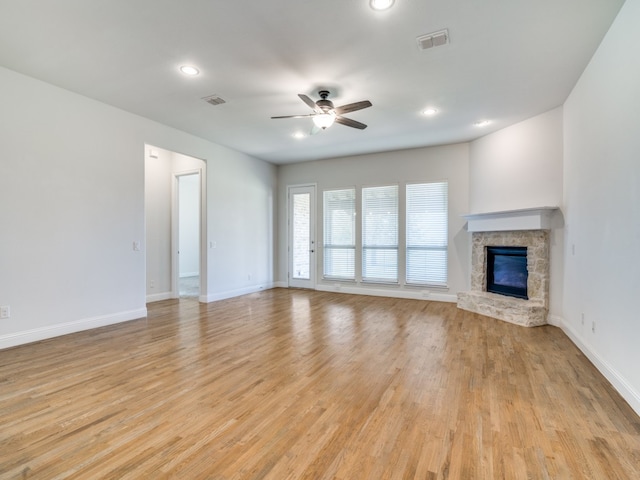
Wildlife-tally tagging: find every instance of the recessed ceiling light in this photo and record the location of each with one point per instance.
(298, 135)
(482, 123)
(430, 111)
(381, 4)
(189, 70)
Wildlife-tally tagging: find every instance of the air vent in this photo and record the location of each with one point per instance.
(214, 100)
(435, 39)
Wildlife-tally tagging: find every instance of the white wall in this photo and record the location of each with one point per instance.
(72, 205)
(521, 167)
(602, 206)
(158, 178)
(423, 164)
(241, 197)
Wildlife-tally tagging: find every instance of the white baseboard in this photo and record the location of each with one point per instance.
(157, 297)
(342, 288)
(623, 387)
(42, 333)
(555, 320)
(214, 297)
(381, 292)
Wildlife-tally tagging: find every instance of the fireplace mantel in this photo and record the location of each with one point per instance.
(511, 220)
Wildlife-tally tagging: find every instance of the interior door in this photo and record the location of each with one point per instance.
(302, 245)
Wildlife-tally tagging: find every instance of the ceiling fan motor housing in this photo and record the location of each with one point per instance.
(324, 104)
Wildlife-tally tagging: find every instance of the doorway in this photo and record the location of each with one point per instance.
(302, 248)
(188, 235)
(167, 174)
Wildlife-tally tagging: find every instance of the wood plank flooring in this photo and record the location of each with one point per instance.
(293, 384)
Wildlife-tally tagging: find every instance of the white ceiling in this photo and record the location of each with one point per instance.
(507, 60)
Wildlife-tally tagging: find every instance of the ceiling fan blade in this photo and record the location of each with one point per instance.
(352, 107)
(296, 116)
(315, 129)
(350, 123)
(310, 103)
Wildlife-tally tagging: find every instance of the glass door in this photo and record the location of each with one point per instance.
(302, 246)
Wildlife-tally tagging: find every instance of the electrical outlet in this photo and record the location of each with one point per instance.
(5, 311)
(152, 284)
(593, 327)
(582, 321)
(249, 277)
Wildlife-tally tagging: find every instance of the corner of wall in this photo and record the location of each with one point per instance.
(622, 386)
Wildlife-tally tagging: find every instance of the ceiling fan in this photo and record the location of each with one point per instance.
(324, 113)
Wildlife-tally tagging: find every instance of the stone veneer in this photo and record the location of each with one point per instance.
(528, 313)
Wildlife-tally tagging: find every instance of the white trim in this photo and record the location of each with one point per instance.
(313, 258)
(43, 333)
(157, 297)
(414, 294)
(555, 321)
(203, 240)
(522, 219)
(280, 285)
(624, 388)
(214, 297)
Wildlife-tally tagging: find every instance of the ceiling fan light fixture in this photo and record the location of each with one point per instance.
(324, 120)
(189, 70)
(381, 4)
(482, 123)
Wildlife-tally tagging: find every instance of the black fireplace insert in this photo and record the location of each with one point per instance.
(507, 272)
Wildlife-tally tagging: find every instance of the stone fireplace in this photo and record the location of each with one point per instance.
(521, 228)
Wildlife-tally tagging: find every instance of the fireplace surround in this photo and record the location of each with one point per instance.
(510, 229)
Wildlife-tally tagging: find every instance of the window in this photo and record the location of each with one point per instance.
(427, 210)
(380, 234)
(340, 233)
(424, 256)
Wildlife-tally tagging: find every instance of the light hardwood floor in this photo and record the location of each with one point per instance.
(292, 384)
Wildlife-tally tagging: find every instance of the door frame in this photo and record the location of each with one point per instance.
(311, 283)
(175, 231)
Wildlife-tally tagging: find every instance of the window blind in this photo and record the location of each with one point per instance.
(427, 226)
(380, 234)
(339, 233)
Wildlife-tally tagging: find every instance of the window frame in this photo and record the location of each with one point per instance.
(403, 248)
(443, 248)
(326, 246)
(364, 248)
